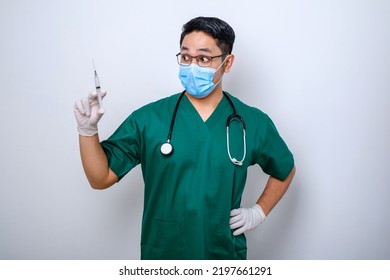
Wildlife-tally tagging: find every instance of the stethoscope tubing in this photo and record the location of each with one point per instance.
(174, 117)
(167, 148)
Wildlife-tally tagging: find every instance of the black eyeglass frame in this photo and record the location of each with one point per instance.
(198, 59)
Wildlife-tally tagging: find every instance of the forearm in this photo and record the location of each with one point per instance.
(274, 190)
(95, 162)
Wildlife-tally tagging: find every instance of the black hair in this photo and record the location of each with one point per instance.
(222, 32)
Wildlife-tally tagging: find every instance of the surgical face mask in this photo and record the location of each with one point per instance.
(198, 81)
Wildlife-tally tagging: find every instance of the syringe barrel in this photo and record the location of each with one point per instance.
(97, 82)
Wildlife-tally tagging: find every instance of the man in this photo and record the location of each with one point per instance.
(194, 180)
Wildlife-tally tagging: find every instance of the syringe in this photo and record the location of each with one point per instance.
(97, 86)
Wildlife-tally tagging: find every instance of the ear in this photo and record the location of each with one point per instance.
(228, 63)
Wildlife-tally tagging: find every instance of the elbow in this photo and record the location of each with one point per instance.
(102, 182)
(99, 185)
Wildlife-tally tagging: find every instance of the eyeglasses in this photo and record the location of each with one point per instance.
(201, 60)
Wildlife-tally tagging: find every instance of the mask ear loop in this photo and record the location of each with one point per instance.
(218, 69)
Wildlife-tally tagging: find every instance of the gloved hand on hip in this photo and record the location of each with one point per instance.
(88, 114)
(244, 219)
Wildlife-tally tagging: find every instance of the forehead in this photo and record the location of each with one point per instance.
(199, 41)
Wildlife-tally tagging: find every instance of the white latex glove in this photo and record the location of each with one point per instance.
(244, 219)
(88, 114)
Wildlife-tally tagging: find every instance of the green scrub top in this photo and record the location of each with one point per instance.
(189, 194)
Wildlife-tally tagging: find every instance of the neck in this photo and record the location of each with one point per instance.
(206, 106)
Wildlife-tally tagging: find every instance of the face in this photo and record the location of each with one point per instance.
(200, 43)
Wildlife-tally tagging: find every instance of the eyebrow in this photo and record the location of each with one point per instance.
(207, 50)
(204, 50)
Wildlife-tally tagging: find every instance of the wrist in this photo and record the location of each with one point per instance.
(87, 131)
(260, 213)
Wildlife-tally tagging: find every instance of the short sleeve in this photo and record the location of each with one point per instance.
(122, 147)
(273, 156)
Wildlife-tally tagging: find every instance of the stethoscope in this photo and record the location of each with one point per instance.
(167, 148)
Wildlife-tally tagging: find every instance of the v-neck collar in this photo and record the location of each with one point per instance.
(215, 116)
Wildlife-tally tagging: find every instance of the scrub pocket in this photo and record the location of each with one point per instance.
(161, 241)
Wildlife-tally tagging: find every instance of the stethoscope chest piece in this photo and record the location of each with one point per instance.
(166, 149)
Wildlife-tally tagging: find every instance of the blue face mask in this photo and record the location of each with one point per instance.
(198, 81)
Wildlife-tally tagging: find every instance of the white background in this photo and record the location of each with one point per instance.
(320, 69)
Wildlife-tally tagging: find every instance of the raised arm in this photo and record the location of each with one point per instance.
(93, 158)
(95, 163)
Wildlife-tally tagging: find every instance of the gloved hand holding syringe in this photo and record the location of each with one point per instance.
(89, 110)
